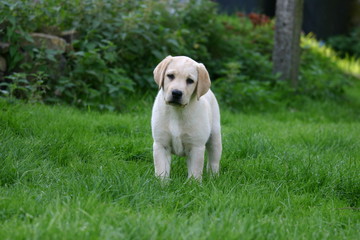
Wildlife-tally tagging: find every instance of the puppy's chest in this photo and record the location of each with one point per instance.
(180, 137)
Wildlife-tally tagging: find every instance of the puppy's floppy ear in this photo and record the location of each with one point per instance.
(159, 71)
(204, 83)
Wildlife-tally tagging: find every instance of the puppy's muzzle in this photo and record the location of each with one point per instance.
(176, 97)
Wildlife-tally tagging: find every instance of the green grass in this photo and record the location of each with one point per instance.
(286, 174)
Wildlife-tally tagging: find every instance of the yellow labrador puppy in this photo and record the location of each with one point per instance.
(185, 117)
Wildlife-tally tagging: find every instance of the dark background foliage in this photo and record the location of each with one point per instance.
(115, 45)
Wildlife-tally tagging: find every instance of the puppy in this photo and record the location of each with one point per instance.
(185, 117)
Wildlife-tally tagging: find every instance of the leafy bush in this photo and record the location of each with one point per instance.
(238, 91)
(116, 44)
(243, 77)
(320, 74)
(91, 82)
(21, 85)
(347, 44)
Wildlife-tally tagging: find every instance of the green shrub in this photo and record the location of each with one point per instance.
(119, 42)
(92, 83)
(347, 44)
(117, 46)
(29, 87)
(243, 77)
(238, 92)
(321, 76)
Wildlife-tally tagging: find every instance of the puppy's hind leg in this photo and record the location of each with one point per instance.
(214, 150)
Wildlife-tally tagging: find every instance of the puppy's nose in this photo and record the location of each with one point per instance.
(176, 94)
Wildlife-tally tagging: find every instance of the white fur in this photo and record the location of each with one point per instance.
(189, 126)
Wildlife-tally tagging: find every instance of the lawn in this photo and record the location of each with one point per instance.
(286, 174)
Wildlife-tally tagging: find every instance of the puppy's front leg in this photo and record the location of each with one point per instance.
(162, 161)
(195, 162)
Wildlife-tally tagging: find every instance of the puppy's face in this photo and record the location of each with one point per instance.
(182, 79)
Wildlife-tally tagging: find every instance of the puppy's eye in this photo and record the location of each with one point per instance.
(189, 81)
(171, 76)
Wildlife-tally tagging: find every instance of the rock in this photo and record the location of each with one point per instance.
(69, 36)
(52, 42)
(2, 64)
(4, 47)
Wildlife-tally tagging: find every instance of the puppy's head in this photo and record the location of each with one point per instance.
(182, 79)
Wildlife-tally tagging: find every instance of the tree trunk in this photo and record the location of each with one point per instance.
(286, 52)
